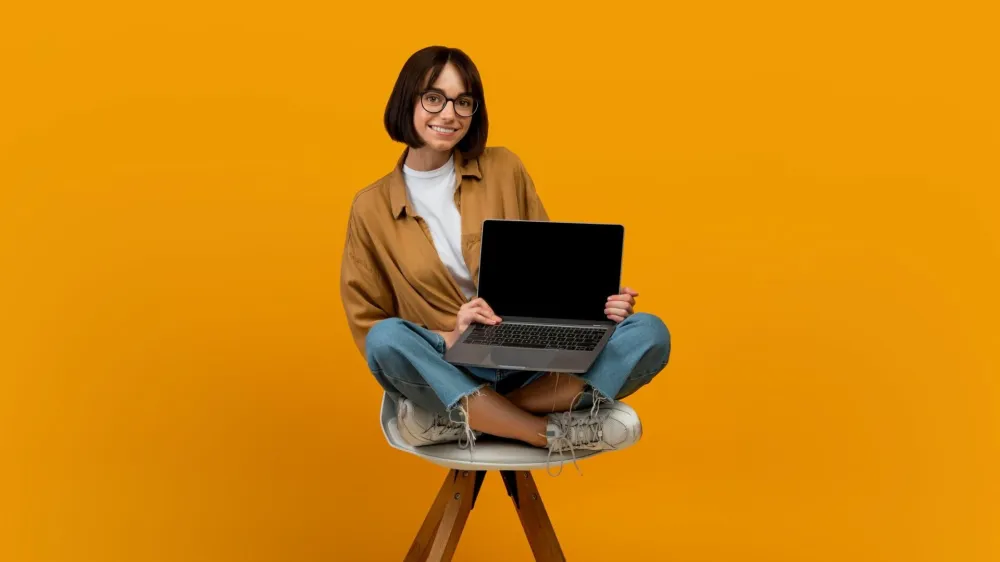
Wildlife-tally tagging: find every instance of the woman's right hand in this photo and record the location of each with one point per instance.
(475, 310)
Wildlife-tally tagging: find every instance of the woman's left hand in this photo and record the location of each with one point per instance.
(621, 306)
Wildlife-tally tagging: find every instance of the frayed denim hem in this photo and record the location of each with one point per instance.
(459, 405)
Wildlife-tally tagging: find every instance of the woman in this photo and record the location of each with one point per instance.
(409, 274)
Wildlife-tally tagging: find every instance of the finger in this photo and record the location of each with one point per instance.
(480, 304)
(619, 310)
(616, 318)
(629, 291)
(621, 298)
(474, 307)
(484, 319)
(620, 305)
(488, 308)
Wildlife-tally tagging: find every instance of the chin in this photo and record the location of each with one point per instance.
(440, 146)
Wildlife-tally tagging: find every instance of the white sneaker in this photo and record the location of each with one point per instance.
(419, 427)
(612, 425)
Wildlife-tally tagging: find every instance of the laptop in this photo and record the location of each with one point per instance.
(549, 282)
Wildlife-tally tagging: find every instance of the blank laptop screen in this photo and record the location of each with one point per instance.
(550, 269)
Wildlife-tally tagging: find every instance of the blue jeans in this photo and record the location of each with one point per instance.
(408, 360)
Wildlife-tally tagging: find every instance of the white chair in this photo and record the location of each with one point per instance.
(442, 527)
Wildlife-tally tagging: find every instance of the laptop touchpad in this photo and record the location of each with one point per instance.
(534, 359)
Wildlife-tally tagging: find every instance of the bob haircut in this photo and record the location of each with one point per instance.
(419, 72)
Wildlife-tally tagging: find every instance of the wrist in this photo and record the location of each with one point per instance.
(449, 337)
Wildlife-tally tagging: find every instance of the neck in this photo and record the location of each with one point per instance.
(425, 159)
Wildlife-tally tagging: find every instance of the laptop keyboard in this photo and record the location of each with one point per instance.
(536, 336)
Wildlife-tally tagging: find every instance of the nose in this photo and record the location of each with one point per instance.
(448, 111)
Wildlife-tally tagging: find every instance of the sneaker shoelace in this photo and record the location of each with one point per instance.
(576, 431)
(467, 438)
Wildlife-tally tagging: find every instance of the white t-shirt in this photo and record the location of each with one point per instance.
(433, 196)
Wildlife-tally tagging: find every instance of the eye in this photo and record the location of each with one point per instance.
(465, 102)
(433, 98)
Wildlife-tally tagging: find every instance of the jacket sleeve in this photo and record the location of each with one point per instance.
(364, 290)
(531, 203)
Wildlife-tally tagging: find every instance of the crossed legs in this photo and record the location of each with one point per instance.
(408, 359)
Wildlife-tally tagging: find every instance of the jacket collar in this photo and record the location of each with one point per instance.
(397, 183)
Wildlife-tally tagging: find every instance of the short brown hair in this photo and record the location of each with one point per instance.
(421, 69)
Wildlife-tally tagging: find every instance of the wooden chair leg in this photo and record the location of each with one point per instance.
(442, 528)
(534, 519)
(422, 542)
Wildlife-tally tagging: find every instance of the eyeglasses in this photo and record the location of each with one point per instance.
(434, 101)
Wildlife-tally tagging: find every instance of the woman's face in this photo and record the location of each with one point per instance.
(442, 131)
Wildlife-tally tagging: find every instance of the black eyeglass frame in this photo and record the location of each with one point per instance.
(475, 102)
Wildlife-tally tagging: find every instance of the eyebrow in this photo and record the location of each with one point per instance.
(440, 91)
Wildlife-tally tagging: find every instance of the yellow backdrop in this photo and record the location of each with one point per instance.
(817, 224)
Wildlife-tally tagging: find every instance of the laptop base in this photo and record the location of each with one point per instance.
(528, 359)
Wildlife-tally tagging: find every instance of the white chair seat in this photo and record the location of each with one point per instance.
(488, 454)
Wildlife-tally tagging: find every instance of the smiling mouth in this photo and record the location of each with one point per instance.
(443, 130)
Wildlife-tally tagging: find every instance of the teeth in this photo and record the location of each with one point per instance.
(443, 130)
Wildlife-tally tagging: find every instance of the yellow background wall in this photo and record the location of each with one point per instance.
(810, 194)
